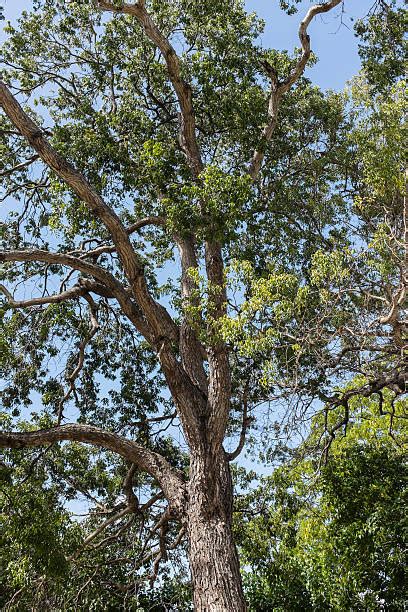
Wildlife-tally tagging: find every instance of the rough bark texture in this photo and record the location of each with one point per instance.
(213, 556)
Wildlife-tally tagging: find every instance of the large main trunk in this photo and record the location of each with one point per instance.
(213, 556)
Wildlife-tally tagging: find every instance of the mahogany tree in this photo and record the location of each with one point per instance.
(194, 232)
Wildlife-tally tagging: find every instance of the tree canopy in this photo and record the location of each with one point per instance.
(201, 252)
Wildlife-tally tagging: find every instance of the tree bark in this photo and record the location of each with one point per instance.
(214, 564)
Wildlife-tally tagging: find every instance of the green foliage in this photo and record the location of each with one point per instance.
(380, 136)
(36, 531)
(311, 248)
(333, 540)
(383, 43)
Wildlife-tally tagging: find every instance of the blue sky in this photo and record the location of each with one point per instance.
(331, 35)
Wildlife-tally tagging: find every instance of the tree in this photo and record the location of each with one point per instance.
(335, 542)
(167, 136)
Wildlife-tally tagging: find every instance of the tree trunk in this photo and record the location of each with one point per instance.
(214, 563)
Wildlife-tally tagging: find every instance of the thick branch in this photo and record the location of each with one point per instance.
(64, 260)
(170, 479)
(155, 324)
(191, 349)
(278, 89)
(219, 378)
(157, 316)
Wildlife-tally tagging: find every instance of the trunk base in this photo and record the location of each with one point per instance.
(214, 562)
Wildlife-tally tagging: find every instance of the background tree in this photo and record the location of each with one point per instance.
(337, 541)
(199, 233)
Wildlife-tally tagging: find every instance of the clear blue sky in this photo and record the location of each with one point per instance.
(333, 42)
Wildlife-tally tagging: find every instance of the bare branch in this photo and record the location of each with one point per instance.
(278, 89)
(20, 166)
(74, 292)
(304, 38)
(99, 530)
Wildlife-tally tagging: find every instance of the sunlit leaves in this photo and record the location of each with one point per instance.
(334, 538)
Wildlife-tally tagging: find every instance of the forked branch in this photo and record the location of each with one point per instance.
(278, 89)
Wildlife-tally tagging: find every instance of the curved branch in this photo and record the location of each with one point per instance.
(108, 281)
(246, 421)
(141, 223)
(170, 480)
(70, 294)
(278, 89)
(138, 225)
(305, 42)
(81, 289)
(64, 260)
